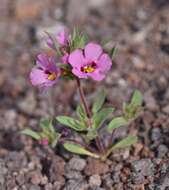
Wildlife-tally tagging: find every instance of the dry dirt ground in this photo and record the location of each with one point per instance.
(140, 28)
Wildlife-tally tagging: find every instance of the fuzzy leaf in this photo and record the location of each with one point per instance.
(46, 124)
(31, 133)
(91, 135)
(77, 149)
(99, 101)
(80, 112)
(78, 40)
(126, 142)
(71, 122)
(101, 116)
(113, 52)
(55, 140)
(137, 98)
(115, 123)
(131, 110)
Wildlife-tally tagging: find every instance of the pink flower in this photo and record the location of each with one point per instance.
(65, 58)
(62, 38)
(91, 62)
(46, 73)
(44, 141)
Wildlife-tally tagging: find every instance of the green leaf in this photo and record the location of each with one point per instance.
(47, 124)
(113, 52)
(115, 123)
(101, 116)
(80, 112)
(78, 41)
(78, 149)
(91, 135)
(137, 98)
(55, 139)
(132, 110)
(99, 101)
(71, 122)
(31, 133)
(126, 142)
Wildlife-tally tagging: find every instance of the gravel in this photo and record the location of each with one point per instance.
(76, 185)
(95, 180)
(140, 31)
(143, 166)
(77, 164)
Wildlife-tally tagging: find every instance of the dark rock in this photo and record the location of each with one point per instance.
(96, 167)
(35, 177)
(76, 185)
(155, 134)
(162, 150)
(3, 172)
(71, 174)
(96, 188)
(137, 178)
(143, 166)
(107, 181)
(57, 169)
(34, 187)
(165, 48)
(76, 164)
(95, 180)
(115, 177)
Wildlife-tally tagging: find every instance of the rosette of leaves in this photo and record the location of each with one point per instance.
(89, 127)
(47, 132)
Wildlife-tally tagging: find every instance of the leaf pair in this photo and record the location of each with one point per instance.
(48, 132)
(132, 110)
(124, 143)
(78, 40)
(71, 123)
(100, 114)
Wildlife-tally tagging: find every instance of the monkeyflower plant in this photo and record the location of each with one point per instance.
(80, 60)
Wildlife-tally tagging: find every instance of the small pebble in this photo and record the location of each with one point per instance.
(95, 180)
(77, 164)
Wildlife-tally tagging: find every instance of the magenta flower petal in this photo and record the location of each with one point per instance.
(37, 76)
(97, 76)
(76, 58)
(65, 58)
(92, 64)
(104, 62)
(46, 73)
(93, 51)
(42, 60)
(63, 37)
(78, 73)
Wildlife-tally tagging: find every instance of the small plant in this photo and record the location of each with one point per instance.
(80, 59)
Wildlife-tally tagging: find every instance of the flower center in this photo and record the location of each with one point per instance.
(52, 76)
(89, 68)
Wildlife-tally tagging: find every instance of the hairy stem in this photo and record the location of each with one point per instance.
(99, 144)
(89, 115)
(111, 138)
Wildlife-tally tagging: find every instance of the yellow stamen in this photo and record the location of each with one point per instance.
(52, 76)
(88, 69)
